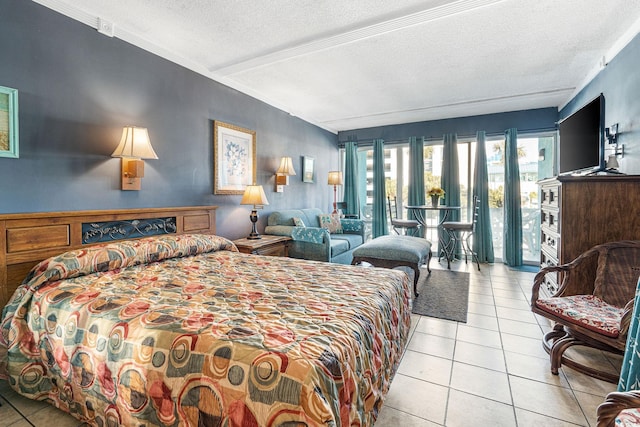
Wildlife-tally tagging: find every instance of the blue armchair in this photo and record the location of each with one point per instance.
(313, 242)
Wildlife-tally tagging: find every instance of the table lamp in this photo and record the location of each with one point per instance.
(254, 195)
(335, 179)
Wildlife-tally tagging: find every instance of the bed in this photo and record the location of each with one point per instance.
(180, 328)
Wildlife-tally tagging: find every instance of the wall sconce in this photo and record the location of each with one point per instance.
(612, 133)
(283, 173)
(134, 146)
(335, 179)
(254, 195)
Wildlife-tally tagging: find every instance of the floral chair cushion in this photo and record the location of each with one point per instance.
(587, 311)
(628, 418)
(298, 222)
(331, 223)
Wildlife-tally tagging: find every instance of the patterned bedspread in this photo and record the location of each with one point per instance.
(185, 330)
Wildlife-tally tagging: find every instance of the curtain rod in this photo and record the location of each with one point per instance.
(368, 141)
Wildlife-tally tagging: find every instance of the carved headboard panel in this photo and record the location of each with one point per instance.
(26, 239)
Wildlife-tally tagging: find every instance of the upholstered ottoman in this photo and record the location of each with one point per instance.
(396, 251)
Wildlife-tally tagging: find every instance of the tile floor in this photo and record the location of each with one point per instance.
(491, 371)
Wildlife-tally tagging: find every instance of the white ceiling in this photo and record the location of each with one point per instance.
(353, 64)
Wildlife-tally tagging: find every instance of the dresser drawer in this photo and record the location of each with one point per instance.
(550, 195)
(550, 219)
(550, 241)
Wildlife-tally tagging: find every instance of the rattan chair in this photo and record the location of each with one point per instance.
(624, 406)
(593, 305)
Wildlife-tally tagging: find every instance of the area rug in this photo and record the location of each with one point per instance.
(443, 294)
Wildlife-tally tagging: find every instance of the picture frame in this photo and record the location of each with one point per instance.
(308, 169)
(8, 122)
(234, 163)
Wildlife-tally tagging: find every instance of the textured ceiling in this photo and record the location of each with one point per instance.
(353, 64)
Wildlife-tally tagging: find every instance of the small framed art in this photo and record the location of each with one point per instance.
(8, 122)
(308, 168)
(234, 152)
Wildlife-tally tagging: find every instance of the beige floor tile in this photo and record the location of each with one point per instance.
(480, 336)
(25, 406)
(556, 402)
(8, 415)
(531, 419)
(432, 344)
(420, 398)
(589, 404)
(504, 283)
(481, 382)
(468, 410)
(522, 329)
(513, 314)
(482, 321)
(477, 355)
(515, 294)
(518, 304)
(482, 299)
(439, 327)
(533, 368)
(584, 383)
(524, 345)
(390, 417)
(481, 289)
(52, 416)
(592, 357)
(426, 367)
(484, 309)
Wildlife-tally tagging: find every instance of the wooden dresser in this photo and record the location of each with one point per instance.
(579, 212)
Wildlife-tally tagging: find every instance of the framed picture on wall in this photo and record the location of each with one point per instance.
(234, 158)
(308, 168)
(8, 122)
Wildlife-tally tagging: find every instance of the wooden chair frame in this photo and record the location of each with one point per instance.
(591, 273)
(615, 403)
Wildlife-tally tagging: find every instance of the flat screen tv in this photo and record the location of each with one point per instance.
(581, 140)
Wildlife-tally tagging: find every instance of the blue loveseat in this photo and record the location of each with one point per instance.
(313, 242)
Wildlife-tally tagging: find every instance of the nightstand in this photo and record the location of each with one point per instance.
(268, 245)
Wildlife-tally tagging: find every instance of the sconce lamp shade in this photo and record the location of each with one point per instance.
(612, 162)
(282, 174)
(335, 178)
(254, 195)
(135, 143)
(134, 146)
(286, 167)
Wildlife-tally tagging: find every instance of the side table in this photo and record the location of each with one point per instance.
(268, 245)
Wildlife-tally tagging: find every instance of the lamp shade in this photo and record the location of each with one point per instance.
(135, 143)
(335, 178)
(286, 167)
(254, 195)
(612, 162)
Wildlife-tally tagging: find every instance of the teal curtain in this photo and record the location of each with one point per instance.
(416, 174)
(450, 179)
(379, 224)
(512, 214)
(351, 179)
(630, 371)
(483, 238)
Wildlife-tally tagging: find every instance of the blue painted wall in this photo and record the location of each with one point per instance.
(619, 81)
(77, 88)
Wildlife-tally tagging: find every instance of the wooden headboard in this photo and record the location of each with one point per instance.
(26, 239)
